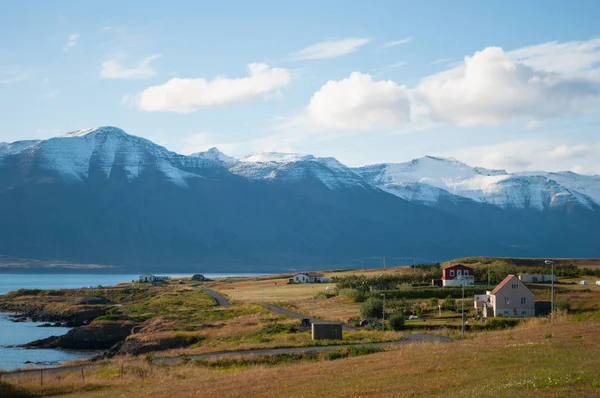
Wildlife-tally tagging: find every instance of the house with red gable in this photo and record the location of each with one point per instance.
(457, 275)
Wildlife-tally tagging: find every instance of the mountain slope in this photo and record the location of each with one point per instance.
(430, 180)
(103, 196)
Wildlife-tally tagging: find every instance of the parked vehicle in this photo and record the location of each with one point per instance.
(365, 322)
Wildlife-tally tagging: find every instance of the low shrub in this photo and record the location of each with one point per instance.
(276, 328)
(353, 295)
(372, 308)
(9, 391)
(396, 321)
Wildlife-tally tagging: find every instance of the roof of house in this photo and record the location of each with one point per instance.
(505, 282)
(454, 265)
(313, 274)
(502, 284)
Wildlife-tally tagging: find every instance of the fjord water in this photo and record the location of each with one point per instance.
(12, 333)
(15, 333)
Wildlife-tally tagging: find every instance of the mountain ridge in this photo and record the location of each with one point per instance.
(105, 197)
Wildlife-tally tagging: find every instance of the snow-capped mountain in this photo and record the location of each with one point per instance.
(430, 179)
(294, 167)
(103, 196)
(105, 151)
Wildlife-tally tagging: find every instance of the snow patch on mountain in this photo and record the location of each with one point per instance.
(213, 154)
(496, 187)
(293, 166)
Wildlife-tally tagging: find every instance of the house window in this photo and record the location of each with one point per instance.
(506, 300)
(466, 272)
(458, 273)
(451, 272)
(523, 300)
(523, 313)
(515, 285)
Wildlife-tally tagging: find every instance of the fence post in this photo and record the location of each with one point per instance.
(41, 377)
(121, 370)
(82, 374)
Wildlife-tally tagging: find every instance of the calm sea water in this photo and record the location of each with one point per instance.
(13, 333)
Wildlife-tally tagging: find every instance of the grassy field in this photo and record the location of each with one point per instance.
(534, 359)
(273, 289)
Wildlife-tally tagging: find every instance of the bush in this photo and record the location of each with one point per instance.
(276, 328)
(562, 304)
(353, 295)
(324, 295)
(496, 323)
(396, 321)
(450, 303)
(10, 391)
(433, 302)
(372, 308)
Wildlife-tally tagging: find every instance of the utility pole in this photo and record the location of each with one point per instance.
(262, 295)
(414, 262)
(383, 314)
(463, 308)
(383, 262)
(313, 302)
(548, 262)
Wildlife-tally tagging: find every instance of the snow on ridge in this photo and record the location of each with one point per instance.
(277, 157)
(496, 187)
(101, 129)
(213, 154)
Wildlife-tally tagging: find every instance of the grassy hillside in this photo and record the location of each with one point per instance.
(534, 359)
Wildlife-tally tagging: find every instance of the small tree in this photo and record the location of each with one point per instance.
(396, 321)
(450, 303)
(372, 308)
(433, 302)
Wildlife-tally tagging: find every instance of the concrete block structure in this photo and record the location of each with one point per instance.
(326, 331)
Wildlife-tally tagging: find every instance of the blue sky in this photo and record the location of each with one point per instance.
(365, 82)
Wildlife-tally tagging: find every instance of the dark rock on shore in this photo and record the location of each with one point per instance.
(41, 314)
(51, 325)
(92, 337)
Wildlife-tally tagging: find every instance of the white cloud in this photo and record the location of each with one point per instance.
(389, 68)
(114, 68)
(570, 152)
(532, 155)
(331, 48)
(51, 95)
(396, 42)
(439, 61)
(492, 87)
(9, 75)
(358, 102)
(189, 95)
(561, 57)
(71, 41)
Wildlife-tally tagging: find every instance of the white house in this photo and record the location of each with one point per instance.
(584, 282)
(151, 278)
(511, 298)
(309, 277)
(598, 283)
(537, 278)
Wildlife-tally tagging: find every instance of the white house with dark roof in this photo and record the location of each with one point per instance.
(511, 298)
(309, 277)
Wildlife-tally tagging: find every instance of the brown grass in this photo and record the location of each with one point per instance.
(534, 359)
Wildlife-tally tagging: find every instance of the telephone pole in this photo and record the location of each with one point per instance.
(383, 262)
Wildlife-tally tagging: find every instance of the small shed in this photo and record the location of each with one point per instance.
(583, 282)
(326, 331)
(598, 283)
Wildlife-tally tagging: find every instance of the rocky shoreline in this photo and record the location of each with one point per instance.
(28, 313)
(109, 338)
